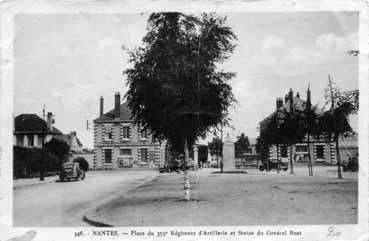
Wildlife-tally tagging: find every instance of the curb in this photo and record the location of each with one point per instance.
(93, 221)
(33, 184)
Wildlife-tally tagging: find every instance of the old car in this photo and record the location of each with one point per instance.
(273, 164)
(350, 164)
(71, 171)
(171, 166)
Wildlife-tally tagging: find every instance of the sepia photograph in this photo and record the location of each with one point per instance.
(185, 119)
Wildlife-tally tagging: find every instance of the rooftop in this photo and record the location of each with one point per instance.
(125, 114)
(32, 123)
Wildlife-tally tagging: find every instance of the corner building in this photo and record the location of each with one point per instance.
(119, 143)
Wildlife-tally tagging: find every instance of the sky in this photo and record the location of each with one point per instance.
(66, 62)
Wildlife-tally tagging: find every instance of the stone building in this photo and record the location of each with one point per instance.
(119, 143)
(321, 149)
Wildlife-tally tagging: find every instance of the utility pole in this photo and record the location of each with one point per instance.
(42, 174)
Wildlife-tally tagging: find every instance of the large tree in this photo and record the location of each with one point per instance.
(176, 89)
(335, 121)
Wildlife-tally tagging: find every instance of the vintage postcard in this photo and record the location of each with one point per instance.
(159, 120)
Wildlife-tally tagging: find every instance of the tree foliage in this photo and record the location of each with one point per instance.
(335, 121)
(203, 153)
(58, 147)
(242, 145)
(83, 163)
(215, 146)
(175, 88)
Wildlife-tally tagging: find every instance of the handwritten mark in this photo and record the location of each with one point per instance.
(25, 237)
(333, 233)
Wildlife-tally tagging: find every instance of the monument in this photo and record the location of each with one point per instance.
(228, 155)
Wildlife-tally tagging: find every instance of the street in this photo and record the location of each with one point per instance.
(58, 204)
(252, 198)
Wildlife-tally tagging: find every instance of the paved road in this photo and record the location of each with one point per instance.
(65, 203)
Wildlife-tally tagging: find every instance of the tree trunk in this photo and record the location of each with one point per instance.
(278, 159)
(291, 161)
(338, 160)
(187, 184)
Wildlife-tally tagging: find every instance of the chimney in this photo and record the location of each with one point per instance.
(290, 97)
(308, 99)
(279, 103)
(101, 106)
(73, 133)
(117, 105)
(49, 121)
(297, 95)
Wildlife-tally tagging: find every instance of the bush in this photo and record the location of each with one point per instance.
(83, 164)
(27, 162)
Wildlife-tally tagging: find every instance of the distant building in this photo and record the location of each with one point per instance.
(252, 147)
(321, 149)
(72, 140)
(30, 129)
(118, 142)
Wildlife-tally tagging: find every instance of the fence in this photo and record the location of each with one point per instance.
(246, 160)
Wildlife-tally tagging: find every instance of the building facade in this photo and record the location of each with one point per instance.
(119, 143)
(30, 130)
(322, 149)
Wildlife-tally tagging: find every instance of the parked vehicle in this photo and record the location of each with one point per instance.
(351, 164)
(71, 170)
(171, 166)
(273, 164)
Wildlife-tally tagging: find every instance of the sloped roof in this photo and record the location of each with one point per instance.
(67, 138)
(125, 114)
(32, 123)
(299, 104)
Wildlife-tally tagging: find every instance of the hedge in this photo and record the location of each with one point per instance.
(27, 162)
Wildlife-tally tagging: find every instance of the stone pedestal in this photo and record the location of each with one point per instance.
(196, 155)
(228, 155)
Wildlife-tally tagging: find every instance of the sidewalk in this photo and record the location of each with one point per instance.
(26, 182)
(255, 198)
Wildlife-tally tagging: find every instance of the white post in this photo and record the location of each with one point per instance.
(187, 183)
(196, 155)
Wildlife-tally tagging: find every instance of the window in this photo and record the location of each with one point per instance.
(30, 140)
(108, 155)
(301, 148)
(319, 151)
(283, 151)
(143, 133)
(108, 131)
(126, 132)
(125, 152)
(19, 140)
(39, 141)
(144, 155)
